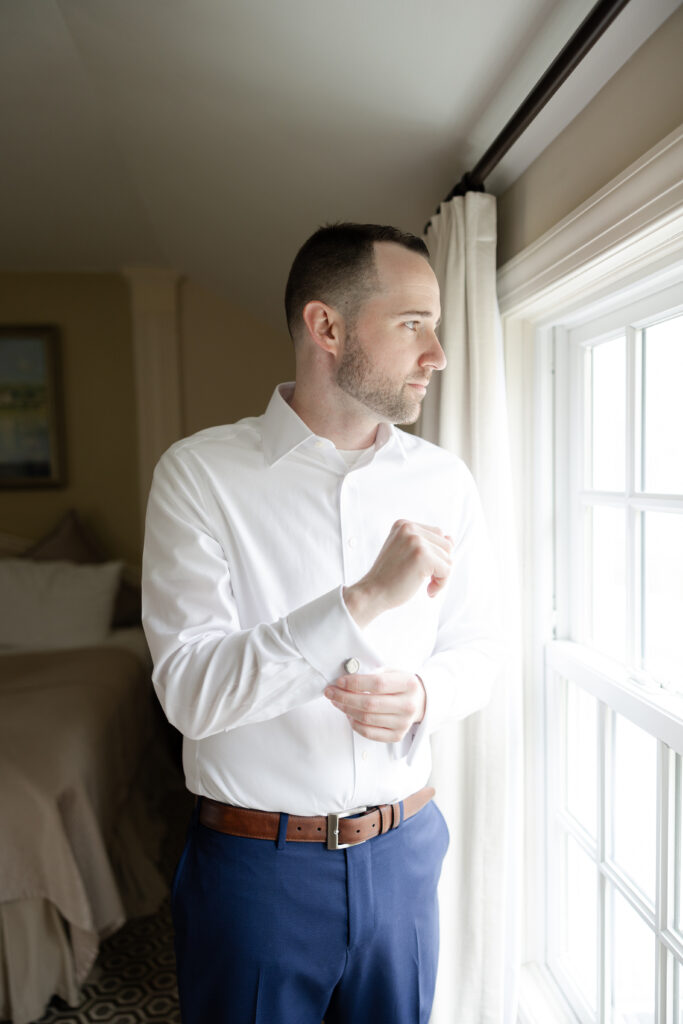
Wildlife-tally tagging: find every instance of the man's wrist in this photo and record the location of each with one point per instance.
(362, 602)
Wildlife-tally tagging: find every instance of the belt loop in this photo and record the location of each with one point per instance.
(282, 831)
(194, 820)
(401, 812)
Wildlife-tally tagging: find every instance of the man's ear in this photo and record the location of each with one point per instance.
(324, 325)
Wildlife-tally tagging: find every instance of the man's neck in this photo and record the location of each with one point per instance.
(343, 423)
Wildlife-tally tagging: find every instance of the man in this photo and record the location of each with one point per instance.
(317, 599)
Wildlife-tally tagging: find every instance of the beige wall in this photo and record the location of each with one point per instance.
(641, 104)
(230, 363)
(92, 312)
(230, 360)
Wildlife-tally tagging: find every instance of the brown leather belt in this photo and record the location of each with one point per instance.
(339, 829)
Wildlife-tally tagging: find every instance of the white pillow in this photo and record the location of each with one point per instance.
(55, 604)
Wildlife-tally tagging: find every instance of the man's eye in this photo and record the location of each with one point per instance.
(412, 325)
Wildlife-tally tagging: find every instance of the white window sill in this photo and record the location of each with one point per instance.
(657, 711)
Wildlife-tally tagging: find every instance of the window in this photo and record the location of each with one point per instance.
(620, 469)
(591, 317)
(613, 671)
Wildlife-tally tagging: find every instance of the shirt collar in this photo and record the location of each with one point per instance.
(283, 431)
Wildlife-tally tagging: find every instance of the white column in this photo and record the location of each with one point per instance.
(156, 347)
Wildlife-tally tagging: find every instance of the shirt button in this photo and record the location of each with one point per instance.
(319, 444)
(364, 755)
(351, 542)
(351, 665)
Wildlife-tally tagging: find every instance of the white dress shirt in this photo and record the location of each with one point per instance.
(252, 531)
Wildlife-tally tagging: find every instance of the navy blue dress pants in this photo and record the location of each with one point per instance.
(293, 933)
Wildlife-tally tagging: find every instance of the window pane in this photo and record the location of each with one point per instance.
(634, 796)
(581, 918)
(678, 861)
(581, 745)
(608, 415)
(633, 960)
(663, 618)
(606, 578)
(663, 409)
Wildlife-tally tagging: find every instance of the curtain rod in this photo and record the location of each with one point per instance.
(585, 37)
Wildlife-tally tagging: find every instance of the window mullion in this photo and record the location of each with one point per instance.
(665, 805)
(675, 850)
(580, 473)
(672, 926)
(555, 881)
(568, 528)
(603, 802)
(632, 479)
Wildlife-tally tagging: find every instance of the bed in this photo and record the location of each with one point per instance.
(82, 758)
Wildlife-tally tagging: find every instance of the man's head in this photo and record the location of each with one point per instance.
(363, 309)
(337, 266)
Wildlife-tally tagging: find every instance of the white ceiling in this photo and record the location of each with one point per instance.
(213, 136)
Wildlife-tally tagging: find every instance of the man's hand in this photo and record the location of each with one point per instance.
(411, 554)
(381, 706)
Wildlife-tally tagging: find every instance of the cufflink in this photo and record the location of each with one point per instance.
(351, 665)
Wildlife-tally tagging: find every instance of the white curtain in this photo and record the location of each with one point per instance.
(477, 762)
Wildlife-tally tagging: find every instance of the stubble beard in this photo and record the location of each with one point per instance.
(357, 377)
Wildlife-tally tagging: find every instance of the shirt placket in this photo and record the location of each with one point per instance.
(355, 558)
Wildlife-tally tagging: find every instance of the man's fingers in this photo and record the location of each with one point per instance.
(365, 705)
(411, 556)
(436, 584)
(380, 735)
(380, 706)
(440, 574)
(437, 552)
(367, 720)
(386, 728)
(372, 682)
(441, 541)
(435, 531)
(431, 534)
(369, 699)
(377, 705)
(373, 710)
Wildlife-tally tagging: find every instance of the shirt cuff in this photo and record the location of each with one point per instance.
(452, 693)
(327, 636)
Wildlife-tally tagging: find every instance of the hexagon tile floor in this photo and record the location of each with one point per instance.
(133, 981)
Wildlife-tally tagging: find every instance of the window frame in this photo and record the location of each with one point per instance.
(615, 242)
(617, 688)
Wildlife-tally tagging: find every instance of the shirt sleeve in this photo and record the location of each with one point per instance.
(210, 674)
(467, 657)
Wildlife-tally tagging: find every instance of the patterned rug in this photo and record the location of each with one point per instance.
(133, 980)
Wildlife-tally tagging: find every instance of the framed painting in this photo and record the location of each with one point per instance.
(31, 424)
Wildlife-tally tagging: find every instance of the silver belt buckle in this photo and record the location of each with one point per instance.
(333, 828)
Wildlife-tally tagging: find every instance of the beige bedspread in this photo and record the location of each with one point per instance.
(74, 729)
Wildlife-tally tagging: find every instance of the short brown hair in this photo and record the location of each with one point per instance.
(337, 265)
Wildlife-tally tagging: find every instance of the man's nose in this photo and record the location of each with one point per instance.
(434, 355)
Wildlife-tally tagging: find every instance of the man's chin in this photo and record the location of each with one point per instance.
(408, 417)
